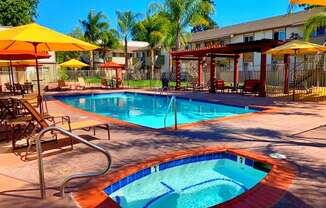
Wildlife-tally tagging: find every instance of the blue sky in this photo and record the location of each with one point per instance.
(64, 15)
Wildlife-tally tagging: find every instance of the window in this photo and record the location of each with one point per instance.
(197, 45)
(279, 35)
(319, 32)
(248, 38)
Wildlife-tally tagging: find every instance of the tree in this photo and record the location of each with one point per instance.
(183, 14)
(94, 26)
(62, 56)
(211, 22)
(153, 30)
(109, 40)
(126, 22)
(18, 12)
(313, 23)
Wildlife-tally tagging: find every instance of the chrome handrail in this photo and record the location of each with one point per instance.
(68, 178)
(174, 102)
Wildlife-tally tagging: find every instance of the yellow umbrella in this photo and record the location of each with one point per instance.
(311, 2)
(73, 63)
(296, 47)
(34, 38)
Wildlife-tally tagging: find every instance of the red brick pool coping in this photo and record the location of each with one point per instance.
(265, 194)
(264, 110)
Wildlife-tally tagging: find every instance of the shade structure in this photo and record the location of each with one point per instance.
(73, 63)
(310, 2)
(36, 38)
(296, 47)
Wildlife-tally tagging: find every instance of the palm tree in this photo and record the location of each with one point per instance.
(313, 23)
(94, 26)
(126, 21)
(109, 41)
(153, 30)
(181, 15)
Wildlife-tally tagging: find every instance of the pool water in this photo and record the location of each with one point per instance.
(195, 185)
(150, 110)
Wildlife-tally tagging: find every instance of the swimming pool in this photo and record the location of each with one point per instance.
(218, 177)
(150, 110)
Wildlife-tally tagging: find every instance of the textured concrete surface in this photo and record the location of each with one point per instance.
(295, 130)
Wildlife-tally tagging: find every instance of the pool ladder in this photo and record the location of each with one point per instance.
(71, 177)
(172, 104)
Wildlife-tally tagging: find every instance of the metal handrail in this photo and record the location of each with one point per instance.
(174, 102)
(68, 178)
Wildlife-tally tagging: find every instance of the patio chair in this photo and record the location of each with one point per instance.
(62, 85)
(220, 85)
(9, 87)
(165, 84)
(43, 122)
(19, 89)
(81, 83)
(105, 83)
(251, 86)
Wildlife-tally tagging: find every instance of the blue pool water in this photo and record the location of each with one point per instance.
(197, 184)
(150, 110)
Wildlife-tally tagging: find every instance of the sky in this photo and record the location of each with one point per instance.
(64, 15)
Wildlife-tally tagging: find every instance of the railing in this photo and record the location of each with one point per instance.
(68, 178)
(173, 103)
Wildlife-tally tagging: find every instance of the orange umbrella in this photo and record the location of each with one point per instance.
(20, 55)
(311, 2)
(113, 65)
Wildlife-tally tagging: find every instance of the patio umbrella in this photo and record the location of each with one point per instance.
(10, 56)
(112, 65)
(311, 2)
(36, 38)
(296, 47)
(73, 63)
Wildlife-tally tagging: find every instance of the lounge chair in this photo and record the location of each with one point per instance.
(62, 85)
(43, 122)
(251, 86)
(81, 83)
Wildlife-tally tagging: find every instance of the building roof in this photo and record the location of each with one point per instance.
(132, 46)
(230, 49)
(287, 20)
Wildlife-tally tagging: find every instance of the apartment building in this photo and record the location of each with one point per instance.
(283, 27)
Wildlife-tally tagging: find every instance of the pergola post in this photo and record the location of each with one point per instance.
(212, 75)
(286, 73)
(177, 74)
(236, 72)
(200, 71)
(263, 74)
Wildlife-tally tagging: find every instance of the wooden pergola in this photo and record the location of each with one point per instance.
(230, 51)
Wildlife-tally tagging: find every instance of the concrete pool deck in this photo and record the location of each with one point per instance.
(294, 130)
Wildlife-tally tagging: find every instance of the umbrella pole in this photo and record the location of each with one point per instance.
(294, 74)
(12, 77)
(39, 97)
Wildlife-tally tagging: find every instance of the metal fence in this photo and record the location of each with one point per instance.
(308, 83)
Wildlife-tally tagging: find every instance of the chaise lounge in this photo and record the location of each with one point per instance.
(43, 122)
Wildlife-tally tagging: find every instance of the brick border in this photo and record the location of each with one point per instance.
(264, 110)
(265, 194)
